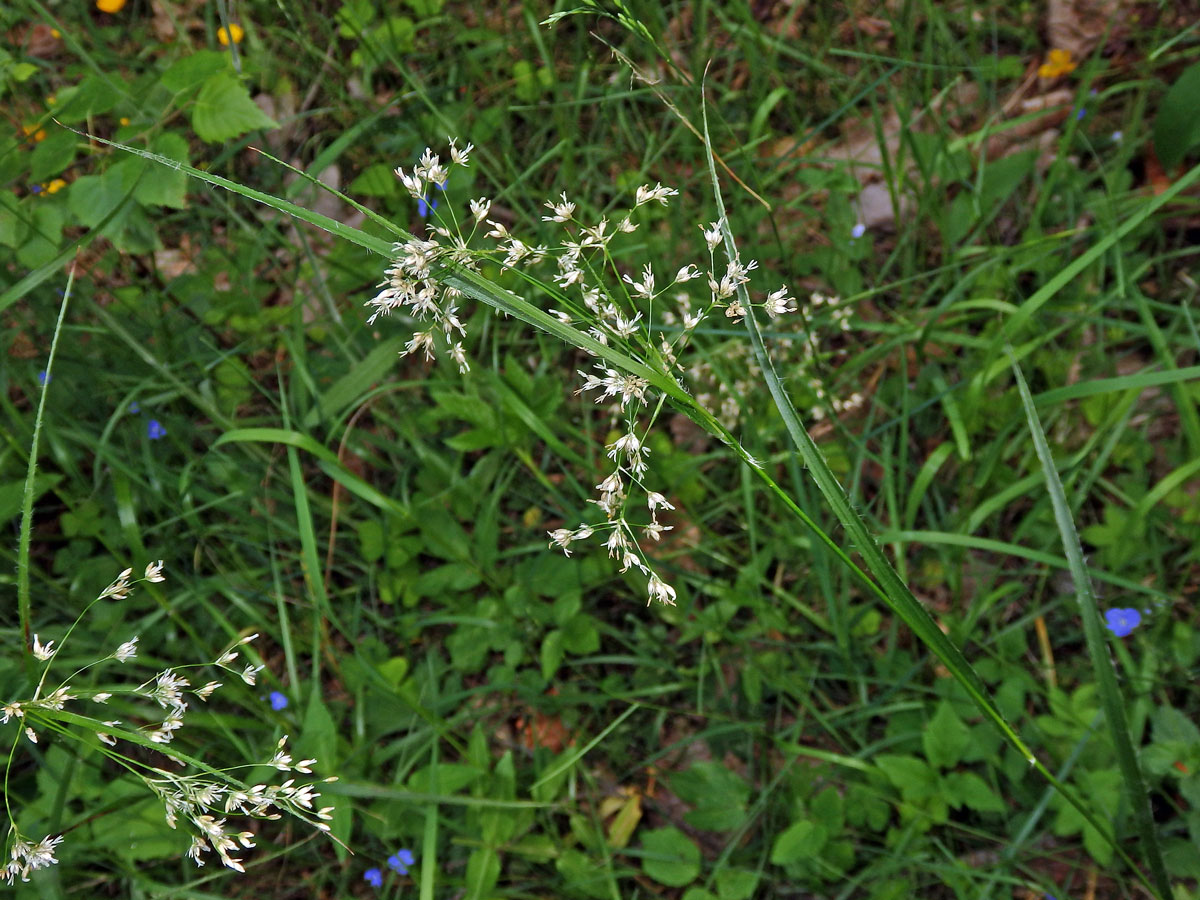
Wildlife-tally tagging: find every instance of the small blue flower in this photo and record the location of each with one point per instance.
(400, 861)
(858, 231)
(373, 877)
(278, 701)
(154, 430)
(1080, 114)
(43, 378)
(1116, 137)
(135, 408)
(427, 204)
(1122, 621)
(36, 189)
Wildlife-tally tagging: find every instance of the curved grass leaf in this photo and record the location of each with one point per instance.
(887, 584)
(1097, 645)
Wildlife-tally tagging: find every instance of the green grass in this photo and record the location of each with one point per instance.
(523, 722)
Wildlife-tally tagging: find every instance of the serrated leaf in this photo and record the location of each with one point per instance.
(43, 237)
(193, 70)
(916, 780)
(945, 738)
(224, 110)
(969, 790)
(1172, 725)
(377, 180)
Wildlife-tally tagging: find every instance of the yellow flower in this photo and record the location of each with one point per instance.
(55, 186)
(110, 6)
(1057, 63)
(38, 134)
(124, 120)
(234, 34)
(55, 33)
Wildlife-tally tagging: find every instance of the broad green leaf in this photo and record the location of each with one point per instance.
(799, 841)
(552, 653)
(736, 884)
(1177, 122)
(53, 154)
(580, 636)
(160, 186)
(224, 110)
(670, 857)
(483, 871)
(969, 790)
(376, 180)
(193, 70)
(94, 96)
(42, 239)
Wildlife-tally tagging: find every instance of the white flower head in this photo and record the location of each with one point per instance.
(562, 210)
(779, 303)
(562, 537)
(460, 157)
(655, 500)
(154, 572)
(712, 234)
(126, 651)
(660, 591)
(480, 208)
(647, 194)
(43, 651)
(645, 287)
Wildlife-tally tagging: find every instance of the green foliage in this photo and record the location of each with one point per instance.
(1176, 130)
(519, 719)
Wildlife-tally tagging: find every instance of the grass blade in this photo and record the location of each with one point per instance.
(887, 584)
(1097, 645)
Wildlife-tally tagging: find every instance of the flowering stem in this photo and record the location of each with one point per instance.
(24, 605)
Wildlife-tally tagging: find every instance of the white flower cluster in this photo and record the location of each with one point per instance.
(26, 856)
(410, 285)
(798, 353)
(622, 314)
(207, 804)
(201, 800)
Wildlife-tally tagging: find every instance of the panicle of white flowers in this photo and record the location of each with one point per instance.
(207, 804)
(204, 801)
(627, 314)
(410, 286)
(26, 856)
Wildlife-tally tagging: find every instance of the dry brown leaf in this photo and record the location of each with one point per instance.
(1078, 26)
